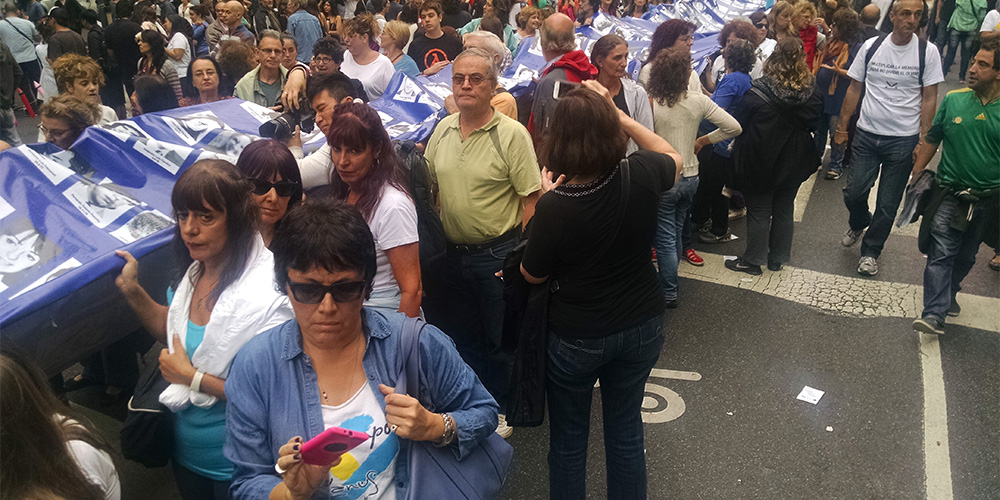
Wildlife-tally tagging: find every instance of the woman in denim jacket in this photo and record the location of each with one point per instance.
(336, 365)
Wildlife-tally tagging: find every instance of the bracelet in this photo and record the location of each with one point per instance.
(196, 380)
(449, 431)
(841, 131)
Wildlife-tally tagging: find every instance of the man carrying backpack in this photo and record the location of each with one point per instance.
(899, 74)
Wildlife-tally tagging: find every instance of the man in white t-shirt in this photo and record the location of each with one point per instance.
(897, 110)
(991, 25)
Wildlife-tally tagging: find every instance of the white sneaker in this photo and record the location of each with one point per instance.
(867, 266)
(503, 429)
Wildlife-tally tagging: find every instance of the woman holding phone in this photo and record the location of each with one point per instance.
(223, 296)
(335, 366)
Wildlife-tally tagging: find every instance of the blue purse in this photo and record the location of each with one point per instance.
(435, 472)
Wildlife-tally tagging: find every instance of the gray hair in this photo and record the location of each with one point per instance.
(492, 66)
(269, 34)
(556, 40)
(490, 43)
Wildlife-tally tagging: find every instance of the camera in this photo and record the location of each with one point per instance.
(283, 127)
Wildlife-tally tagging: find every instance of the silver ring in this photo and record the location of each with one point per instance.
(393, 428)
(279, 470)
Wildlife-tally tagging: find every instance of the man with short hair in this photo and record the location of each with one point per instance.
(123, 58)
(263, 84)
(20, 37)
(565, 63)
(962, 28)
(869, 18)
(63, 40)
(228, 24)
(897, 109)
(324, 92)
(436, 47)
(35, 11)
(488, 180)
(306, 30)
(965, 202)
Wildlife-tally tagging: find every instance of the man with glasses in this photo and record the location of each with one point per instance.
(488, 181)
(897, 110)
(263, 84)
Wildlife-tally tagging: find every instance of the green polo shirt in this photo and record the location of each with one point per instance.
(480, 188)
(970, 155)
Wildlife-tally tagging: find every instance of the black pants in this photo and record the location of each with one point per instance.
(116, 365)
(709, 202)
(31, 72)
(194, 486)
(770, 223)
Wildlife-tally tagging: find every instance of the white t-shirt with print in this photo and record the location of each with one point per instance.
(393, 224)
(179, 41)
(371, 466)
(992, 21)
(374, 76)
(891, 105)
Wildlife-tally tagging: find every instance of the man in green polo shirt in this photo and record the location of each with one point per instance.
(488, 181)
(968, 122)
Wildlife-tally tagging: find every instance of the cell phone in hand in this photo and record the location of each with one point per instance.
(330, 444)
(562, 87)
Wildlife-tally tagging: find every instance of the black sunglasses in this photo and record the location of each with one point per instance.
(760, 25)
(283, 188)
(308, 293)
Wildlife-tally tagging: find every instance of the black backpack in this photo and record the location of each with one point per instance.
(424, 193)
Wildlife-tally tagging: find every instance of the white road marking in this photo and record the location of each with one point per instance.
(802, 197)
(937, 460)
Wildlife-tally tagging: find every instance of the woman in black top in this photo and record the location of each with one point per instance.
(606, 318)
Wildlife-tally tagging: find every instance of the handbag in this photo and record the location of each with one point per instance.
(435, 472)
(148, 433)
(526, 324)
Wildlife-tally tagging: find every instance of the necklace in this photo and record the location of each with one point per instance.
(354, 373)
(201, 301)
(394, 59)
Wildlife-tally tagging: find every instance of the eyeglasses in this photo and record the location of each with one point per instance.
(308, 293)
(52, 131)
(474, 79)
(283, 188)
(272, 51)
(322, 60)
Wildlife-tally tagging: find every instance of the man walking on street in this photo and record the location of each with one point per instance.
(962, 29)
(900, 73)
(966, 186)
(21, 36)
(485, 167)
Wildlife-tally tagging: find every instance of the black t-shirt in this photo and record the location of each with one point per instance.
(621, 289)
(119, 38)
(427, 51)
(619, 100)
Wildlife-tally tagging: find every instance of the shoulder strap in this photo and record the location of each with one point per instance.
(19, 31)
(495, 137)
(872, 50)
(408, 360)
(922, 47)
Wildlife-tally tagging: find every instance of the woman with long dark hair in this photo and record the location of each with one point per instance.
(775, 154)
(593, 236)
(369, 175)
(179, 48)
(675, 34)
(154, 60)
(223, 296)
(275, 180)
(47, 450)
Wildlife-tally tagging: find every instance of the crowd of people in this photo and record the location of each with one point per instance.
(296, 272)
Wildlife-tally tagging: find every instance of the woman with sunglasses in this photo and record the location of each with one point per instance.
(369, 175)
(277, 183)
(336, 364)
(223, 295)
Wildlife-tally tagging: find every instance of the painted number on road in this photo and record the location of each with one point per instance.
(661, 404)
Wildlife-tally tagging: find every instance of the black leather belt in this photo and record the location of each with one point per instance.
(511, 234)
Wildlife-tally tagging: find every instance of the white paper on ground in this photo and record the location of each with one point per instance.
(810, 395)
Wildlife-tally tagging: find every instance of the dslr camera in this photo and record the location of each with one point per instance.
(283, 127)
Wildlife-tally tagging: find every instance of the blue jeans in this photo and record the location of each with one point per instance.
(966, 39)
(622, 362)
(828, 127)
(474, 318)
(675, 204)
(872, 153)
(951, 255)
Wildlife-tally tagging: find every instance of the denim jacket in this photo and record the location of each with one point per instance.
(273, 396)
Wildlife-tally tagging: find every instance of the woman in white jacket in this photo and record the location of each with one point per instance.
(610, 56)
(224, 297)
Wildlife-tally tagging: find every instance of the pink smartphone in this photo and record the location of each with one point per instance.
(331, 444)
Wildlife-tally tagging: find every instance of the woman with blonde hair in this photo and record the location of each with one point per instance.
(775, 154)
(395, 36)
(374, 70)
(810, 29)
(780, 21)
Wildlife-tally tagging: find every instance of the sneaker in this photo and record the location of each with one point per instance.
(703, 228)
(851, 237)
(831, 175)
(693, 258)
(928, 325)
(867, 266)
(954, 309)
(503, 429)
(773, 265)
(995, 262)
(741, 266)
(710, 237)
(737, 213)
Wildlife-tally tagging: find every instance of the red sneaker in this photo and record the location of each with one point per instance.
(693, 258)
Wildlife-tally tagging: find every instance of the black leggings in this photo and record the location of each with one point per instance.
(709, 202)
(194, 486)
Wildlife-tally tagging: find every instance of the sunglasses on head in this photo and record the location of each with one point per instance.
(308, 293)
(283, 188)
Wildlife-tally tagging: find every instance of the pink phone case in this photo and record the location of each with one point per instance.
(330, 444)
